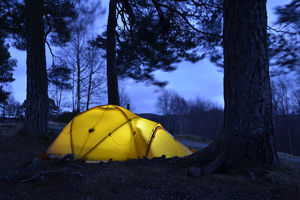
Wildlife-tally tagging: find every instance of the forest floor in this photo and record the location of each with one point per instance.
(23, 175)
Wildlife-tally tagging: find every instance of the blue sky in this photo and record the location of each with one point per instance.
(198, 80)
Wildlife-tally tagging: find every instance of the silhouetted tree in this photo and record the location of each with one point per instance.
(36, 117)
(248, 124)
(248, 133)
(155, 35)
(111, 70)
(53, 109)
(75, 51)
(283, 104)
(6, 62)
(74, 55)
(13, 107)
(247, 138)
(174, 108)
(296, 96)
(95, 81)
(30, 23)
(86, 63)
(284, 43)
(170, 103)
(124, 97)
(164, 102)
(59, 76)
(285, 38)
(7, 65)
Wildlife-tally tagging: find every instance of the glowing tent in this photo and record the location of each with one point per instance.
(111, 132)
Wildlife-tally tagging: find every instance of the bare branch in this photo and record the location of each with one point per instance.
(53, 56)
(49, 24)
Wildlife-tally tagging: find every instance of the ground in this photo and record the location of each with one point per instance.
(23, 175)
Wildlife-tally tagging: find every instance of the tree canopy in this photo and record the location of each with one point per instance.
(284, 38)
(155, 35)
(57, 16)
(7, 65)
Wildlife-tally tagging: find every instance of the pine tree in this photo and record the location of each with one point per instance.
(30, 23)
(7, 65)
(155, 35)
(247, 138)
(284, 39)
(36, 116)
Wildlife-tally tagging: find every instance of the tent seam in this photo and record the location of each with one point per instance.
(109, 134)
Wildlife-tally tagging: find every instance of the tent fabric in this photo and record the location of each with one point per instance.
(112, 132)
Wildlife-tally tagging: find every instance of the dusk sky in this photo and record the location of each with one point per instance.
(202, 79)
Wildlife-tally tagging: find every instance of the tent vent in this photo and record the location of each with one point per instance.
(91, 130)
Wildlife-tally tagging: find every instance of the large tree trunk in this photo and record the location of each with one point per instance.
(36, 119)
(248, 124)
(112, 78)
(247, 138)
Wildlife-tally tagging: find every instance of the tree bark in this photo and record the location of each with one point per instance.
(248, 124)
(36, 119)
(112, 78)
(247, 138)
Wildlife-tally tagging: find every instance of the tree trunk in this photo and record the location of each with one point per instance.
(289, 133)
(248, 121)
(247, 138)
(4, 110)
(89, 93)
(78, 75)
(73, 90)
(59, 100)
(112, 78)
(36, 119)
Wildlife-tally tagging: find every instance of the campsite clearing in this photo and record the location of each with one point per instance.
(24, 176)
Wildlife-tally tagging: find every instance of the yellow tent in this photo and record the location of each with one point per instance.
(111, 132)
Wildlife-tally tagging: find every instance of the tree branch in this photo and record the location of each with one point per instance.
(51, 52)
(48, 23)
(183, 16)
(281, 31)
